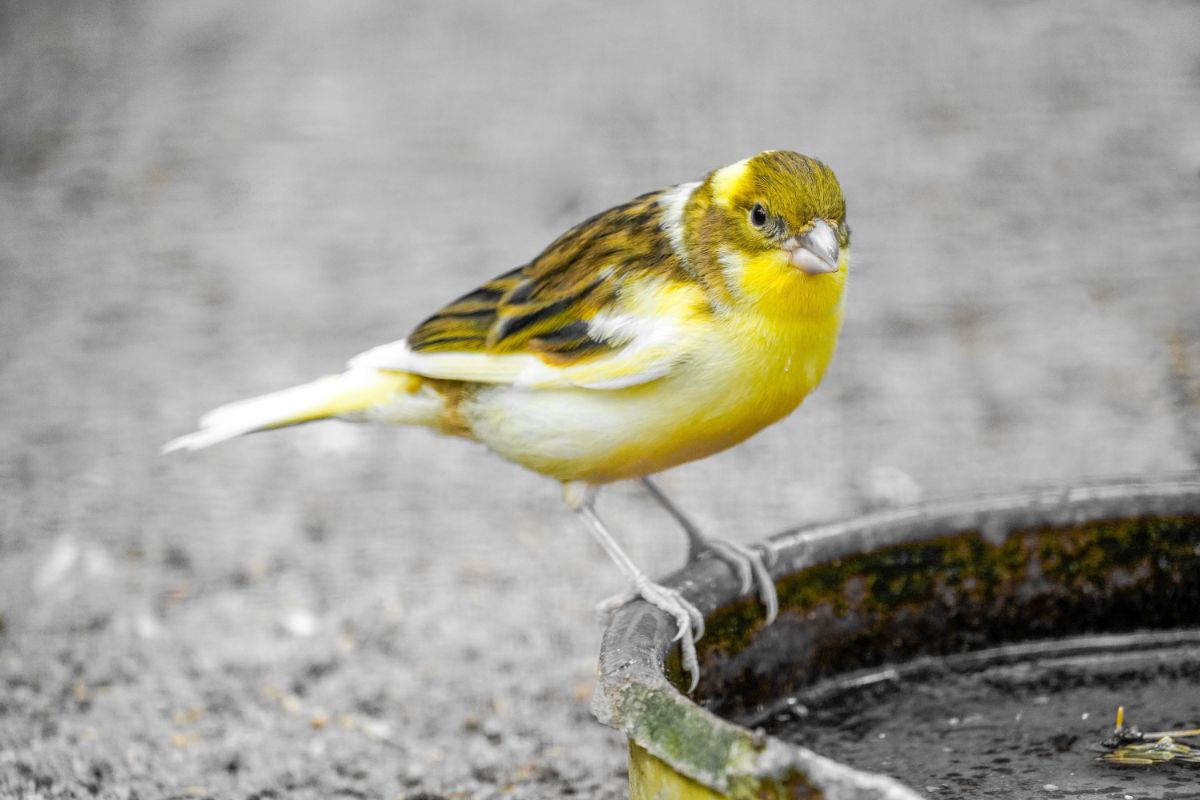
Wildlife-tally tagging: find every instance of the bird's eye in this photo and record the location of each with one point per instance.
(758, 215)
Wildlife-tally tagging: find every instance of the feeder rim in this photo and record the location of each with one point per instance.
(634, 695)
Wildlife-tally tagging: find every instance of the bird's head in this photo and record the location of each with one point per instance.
(771, 229)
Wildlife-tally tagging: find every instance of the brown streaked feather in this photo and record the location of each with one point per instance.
(544, 307)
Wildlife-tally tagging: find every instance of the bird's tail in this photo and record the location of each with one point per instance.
(359, 395)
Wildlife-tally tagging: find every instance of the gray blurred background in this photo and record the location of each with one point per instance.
(207, 200)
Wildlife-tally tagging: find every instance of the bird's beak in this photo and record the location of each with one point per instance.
(815, 251)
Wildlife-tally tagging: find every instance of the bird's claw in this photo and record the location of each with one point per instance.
(687, 617)
(752, 565)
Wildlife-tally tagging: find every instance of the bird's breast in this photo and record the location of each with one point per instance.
(743, 376)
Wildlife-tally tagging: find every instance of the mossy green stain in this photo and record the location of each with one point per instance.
(680, 731)
(1065, 571)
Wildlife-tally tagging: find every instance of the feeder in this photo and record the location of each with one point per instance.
(972, 649)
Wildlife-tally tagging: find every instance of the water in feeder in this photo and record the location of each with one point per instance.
(1018, 721)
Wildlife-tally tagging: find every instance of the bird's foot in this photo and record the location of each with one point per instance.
(752, 565)
(688, 619)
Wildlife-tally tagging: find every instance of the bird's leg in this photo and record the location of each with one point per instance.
(697, 544)
(751, 565)
(581, 499)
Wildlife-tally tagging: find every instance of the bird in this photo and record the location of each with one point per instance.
(658, 332)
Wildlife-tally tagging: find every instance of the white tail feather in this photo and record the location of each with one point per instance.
(347, 394)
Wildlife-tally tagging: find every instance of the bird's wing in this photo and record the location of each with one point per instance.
(606, 306)
(653, 351)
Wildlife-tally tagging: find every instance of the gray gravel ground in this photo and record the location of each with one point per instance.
(207, 200)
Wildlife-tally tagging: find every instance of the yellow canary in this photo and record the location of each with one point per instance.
(660, 331)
